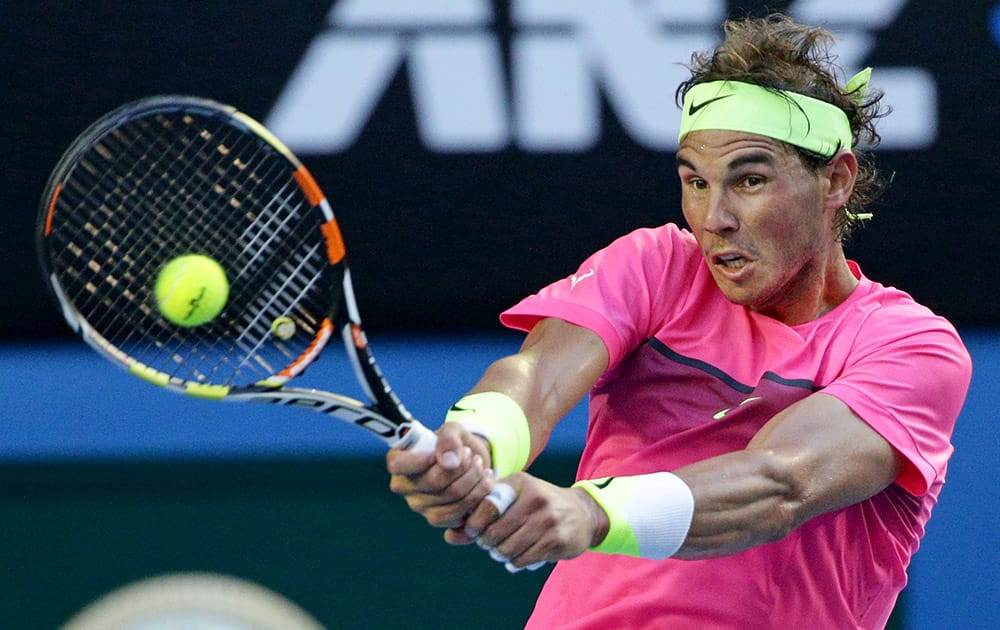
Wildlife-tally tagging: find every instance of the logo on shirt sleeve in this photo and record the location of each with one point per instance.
(577, 278)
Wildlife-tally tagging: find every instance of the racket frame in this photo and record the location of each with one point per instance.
(385, 416)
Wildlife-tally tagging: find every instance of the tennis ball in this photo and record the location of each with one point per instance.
(191, 290)
(283, 328)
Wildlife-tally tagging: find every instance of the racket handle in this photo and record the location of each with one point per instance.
(419, 439)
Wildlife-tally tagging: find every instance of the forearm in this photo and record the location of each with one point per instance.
(812, 458)
(515, 376)
(527, 395)
(815, 457)
(742, 500)
(554, 369)
(716, 507)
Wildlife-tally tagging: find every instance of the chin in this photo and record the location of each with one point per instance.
(735, 293)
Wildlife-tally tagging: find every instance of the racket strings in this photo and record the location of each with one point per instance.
(160, 172)
(167, 185)
(208, 361)
(297, 278)
(255, 329)
(114, 227)
(272, 235)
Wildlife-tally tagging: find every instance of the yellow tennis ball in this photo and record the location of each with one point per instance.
(191, 290)
(283, 328)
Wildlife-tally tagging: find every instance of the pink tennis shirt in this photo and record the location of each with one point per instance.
(693, 376)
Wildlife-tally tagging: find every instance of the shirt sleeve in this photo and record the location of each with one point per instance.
(908, 379)
(618, 292)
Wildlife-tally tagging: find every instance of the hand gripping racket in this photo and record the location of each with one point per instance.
(171, 175)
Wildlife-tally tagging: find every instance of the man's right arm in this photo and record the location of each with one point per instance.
(554, 369)
(557, 365)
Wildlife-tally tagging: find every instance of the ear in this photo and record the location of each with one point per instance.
(841, 173)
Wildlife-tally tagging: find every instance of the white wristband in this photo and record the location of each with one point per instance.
(649, 515)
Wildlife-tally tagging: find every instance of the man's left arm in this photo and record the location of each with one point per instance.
(814, 457)
(817, 456)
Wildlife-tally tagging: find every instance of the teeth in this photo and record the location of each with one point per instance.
(732, 262)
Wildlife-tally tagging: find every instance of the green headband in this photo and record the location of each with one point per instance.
(790, 117)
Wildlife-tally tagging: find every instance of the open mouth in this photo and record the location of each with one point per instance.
(731, 261)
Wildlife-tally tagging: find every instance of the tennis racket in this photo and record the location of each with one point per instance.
(173, 175)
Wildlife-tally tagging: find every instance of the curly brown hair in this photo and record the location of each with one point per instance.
(778, 53)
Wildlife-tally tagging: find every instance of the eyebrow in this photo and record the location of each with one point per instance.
(682, 162)
(743, 160)
(752, 158)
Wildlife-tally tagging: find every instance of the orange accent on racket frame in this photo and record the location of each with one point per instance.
(358, 336)
(310, 353)
(308, 185)
(52, 209)
(335, 249)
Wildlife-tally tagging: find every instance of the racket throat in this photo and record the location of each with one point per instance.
(334, 405)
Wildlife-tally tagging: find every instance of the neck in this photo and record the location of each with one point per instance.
(822, 292)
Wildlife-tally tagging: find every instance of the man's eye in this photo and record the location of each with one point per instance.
(752, 181)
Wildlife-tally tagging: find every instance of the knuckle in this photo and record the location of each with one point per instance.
(548, 522)
(541, 505)
(450, 434)
(518, 479)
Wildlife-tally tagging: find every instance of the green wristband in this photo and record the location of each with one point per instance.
(648, 515)
(501, 421)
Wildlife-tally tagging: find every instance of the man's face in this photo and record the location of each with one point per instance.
(758, 215)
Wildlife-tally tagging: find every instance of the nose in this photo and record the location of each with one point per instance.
(720, 217)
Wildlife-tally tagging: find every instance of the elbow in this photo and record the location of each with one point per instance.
(788, 497)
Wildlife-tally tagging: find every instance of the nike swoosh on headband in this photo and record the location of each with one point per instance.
(694, 108)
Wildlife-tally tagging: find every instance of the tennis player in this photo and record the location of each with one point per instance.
(769, 428)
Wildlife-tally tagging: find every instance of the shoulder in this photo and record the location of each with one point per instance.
(906, 373)
(664, 238)
(891, 314)
(654, 249)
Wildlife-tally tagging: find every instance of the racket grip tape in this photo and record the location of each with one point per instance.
(419, 439)
(502, 497)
